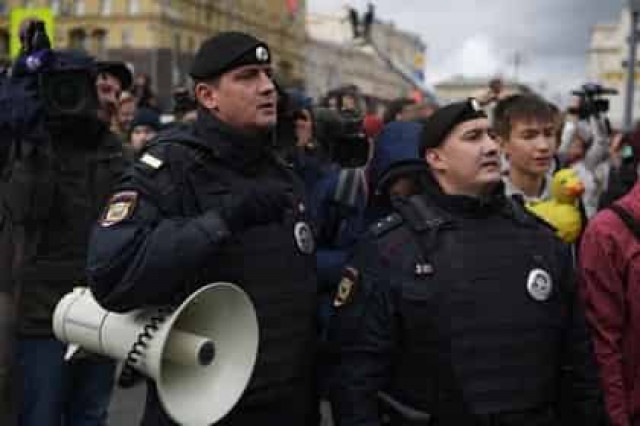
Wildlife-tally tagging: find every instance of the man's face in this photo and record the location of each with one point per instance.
(109, 89)
(530, 146)
(244, 98)
(468, 161)
(140, 135)
(126, 112)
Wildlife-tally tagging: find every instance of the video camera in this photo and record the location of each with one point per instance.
(341, 134)
(45, 86)
(592, 102)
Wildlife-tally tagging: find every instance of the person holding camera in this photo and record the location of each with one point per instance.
(460, 309)
(584, 144)
(212, 202)
(60, 168)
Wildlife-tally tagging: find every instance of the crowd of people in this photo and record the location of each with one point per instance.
(469, 263)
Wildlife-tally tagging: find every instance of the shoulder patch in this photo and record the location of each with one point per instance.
(120, 207)
(386, 224)
(151, 161)
(347, 287)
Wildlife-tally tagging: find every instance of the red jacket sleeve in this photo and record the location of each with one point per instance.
(602, 289)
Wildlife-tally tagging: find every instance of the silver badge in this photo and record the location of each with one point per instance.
(304, 237)
(539, 285)
(262, 54)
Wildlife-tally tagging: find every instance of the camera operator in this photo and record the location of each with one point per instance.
(585, 139)
(59, 165)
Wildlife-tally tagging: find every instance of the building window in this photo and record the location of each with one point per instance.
(55, 6)
(105, 7)
(3, 7)
(127, 38)
(99, 43)
(133, 7)
(79, 7)
(4, 44)
(77, 39)
(177, 71)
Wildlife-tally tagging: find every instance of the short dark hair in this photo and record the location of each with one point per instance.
(520, 107)
(394, 108)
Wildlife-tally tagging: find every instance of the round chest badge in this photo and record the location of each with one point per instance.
(262, 54)
(304, 237)
(539, 285)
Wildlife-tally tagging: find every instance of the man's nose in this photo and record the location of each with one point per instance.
(266, 83)
(544, 143)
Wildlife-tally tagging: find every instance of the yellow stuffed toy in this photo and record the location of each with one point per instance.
(561, 211)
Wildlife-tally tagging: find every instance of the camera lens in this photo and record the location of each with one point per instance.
(67, 95)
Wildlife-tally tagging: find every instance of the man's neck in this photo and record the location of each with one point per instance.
(530, 185)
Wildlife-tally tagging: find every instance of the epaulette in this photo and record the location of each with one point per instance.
(544, 223)
(386, 224)
(151, 159)
(527, 217)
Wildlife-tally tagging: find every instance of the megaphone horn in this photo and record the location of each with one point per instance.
(201, 355)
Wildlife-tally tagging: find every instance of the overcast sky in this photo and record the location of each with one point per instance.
(481, 37)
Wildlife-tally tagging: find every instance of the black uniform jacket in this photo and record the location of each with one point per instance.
(463, 310)
(163, 236)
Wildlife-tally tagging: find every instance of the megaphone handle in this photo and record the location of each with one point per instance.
(129, 374)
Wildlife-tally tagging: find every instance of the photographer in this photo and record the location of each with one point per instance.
(59, 162)
(585, 140)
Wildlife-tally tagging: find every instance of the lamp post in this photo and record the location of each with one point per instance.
(634, 10)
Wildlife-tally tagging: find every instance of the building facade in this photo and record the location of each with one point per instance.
(607, 56)
(160, 37)
(460, 88)
(335, 59)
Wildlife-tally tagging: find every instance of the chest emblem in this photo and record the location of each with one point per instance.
(539, 285)
(304, 238)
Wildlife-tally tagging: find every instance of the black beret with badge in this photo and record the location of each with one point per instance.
(438, 126)
(226, 51)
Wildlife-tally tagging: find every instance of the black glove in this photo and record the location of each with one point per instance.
(262, 204)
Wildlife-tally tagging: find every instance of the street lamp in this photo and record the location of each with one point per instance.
(634, 9)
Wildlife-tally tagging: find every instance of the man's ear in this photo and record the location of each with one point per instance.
(207, 95)
(434, 158)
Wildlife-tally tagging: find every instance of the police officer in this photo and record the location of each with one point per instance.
(212, 203)
(460, 309)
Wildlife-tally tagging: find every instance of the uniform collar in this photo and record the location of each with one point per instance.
(464, 205)
(243, 151)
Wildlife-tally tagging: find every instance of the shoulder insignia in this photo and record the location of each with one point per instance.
(347, 287)
(120, 207)
(386, 224)
(151, 161)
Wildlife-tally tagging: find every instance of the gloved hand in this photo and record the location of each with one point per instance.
(262, 204)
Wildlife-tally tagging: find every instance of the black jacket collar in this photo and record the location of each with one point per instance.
(242, 151)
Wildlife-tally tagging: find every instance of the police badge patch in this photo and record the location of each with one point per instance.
(539, 285)
(347, 287)
(304, 238)
(120, 207)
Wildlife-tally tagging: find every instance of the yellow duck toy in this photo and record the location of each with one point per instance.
(561, 211)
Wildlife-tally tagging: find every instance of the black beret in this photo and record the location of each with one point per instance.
(226, 51)
(443, 120)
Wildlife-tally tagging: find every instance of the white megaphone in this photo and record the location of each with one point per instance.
(201, 355)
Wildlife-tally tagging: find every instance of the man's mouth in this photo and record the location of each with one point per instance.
(267, 106)
(490, 163)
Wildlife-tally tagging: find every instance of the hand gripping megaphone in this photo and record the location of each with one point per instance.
(201, 355)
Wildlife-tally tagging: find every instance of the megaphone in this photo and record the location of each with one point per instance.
(201, 355)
